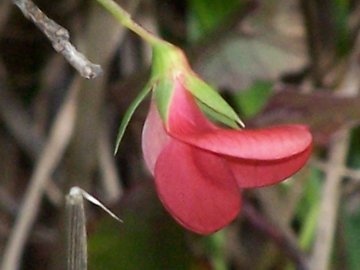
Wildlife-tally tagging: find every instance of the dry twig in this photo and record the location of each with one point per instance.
(281, 239)
(59, 38)
(332, 188)
(329, 203)
(353, 174)
(18, 123)
(58, 139)
(109, 175)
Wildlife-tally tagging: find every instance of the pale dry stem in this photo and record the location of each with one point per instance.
(320, 258)
(59, 137)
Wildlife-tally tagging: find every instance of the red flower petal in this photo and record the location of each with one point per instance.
(154, 137)
(196, 187)
(258, 173)
(187, 123)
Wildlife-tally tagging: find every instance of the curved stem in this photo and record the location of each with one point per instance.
(125, 19)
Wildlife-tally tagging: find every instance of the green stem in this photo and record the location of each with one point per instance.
(125, 19)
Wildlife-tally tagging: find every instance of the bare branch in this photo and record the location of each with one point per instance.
(109, 175)
(18, 123)
(286, 244)
(320, 258)
(329, 203)
(353, 174)
(59, 38)
(59, 137)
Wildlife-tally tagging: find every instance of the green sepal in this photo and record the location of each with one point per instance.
(209, 97)
(217, 117)
(163, 92)
(129, 113)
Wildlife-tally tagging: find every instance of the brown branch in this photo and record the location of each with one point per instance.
(59, 38)
(353, 174)
(288, 246)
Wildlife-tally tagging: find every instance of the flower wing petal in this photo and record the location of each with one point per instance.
(154, 137)
(187, 123)
(259, 173)
(196, 187)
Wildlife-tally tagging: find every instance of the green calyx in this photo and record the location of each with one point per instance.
(163, 93)
(166, 59)
(169, 64)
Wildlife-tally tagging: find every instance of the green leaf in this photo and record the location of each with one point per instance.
(209, 97)
(148, 239)
(214, 246)
(250, 101)
(350, 210)
(205, 16)
(275, 46)
(129, 113)
(351, 221)
(308, 209)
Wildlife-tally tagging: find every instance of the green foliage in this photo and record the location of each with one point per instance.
(341, 10)
(241, 61)
(205, 16)
(148, 239)
(214, 246)
(308, 209)
(354, 149)
(250, 101)
(352, 237)
(351, 210)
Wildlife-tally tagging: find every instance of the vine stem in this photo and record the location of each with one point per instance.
(123, 17)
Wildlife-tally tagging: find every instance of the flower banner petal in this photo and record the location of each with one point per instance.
(263, 144)
(259, 173)
(187, 123)
(196, 187)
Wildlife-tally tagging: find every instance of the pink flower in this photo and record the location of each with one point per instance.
(200, 168)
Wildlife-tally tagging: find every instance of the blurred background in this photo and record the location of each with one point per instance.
(275, 61)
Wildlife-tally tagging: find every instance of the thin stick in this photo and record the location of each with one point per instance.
(353, 174)
(289, 247)
(59, 138)
(59, 38)
(337, 158)
(329, 204)
(109, 175)
(18, 124)
(76, 226)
